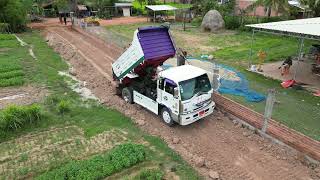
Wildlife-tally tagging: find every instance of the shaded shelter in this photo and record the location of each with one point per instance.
(301, 29)
(159, 8)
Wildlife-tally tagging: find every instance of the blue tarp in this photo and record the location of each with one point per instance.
(239, 88)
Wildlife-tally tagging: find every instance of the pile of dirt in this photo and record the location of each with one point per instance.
(217, 146)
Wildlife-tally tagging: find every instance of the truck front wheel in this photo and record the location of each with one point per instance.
(166, 117)
(127, 95)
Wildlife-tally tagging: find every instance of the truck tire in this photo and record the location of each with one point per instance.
(127, 95)
(166, 116)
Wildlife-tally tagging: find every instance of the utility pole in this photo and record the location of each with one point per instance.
(268, 109)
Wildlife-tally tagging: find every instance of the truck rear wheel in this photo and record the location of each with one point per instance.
(166, 117)
(127, 95)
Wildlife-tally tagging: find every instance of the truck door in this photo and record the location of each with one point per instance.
(167, 96)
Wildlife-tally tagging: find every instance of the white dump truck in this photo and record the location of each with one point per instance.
(178, 94)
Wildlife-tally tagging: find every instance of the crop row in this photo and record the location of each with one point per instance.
(100, 166)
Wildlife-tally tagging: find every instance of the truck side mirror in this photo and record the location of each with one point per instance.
(176, 92)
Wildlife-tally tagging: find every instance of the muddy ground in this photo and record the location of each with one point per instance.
(21, 95)
(215, 145)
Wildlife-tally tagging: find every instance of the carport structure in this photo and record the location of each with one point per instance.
(157, 8)
(301, 29)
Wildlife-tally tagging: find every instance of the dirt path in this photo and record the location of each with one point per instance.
(213, 144)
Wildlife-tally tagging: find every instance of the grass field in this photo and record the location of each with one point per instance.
(11, 57)
(85, 128)
(297, 109)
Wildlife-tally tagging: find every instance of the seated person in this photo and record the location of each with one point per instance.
(285, 67)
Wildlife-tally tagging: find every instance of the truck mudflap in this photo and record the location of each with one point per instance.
(195, 116)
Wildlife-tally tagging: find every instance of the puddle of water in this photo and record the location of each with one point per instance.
(22, 43)
(32, 54)
(79, 87)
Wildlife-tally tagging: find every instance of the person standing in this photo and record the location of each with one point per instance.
(65, 18)
(181, 59)
(262, 56)
(60, 18)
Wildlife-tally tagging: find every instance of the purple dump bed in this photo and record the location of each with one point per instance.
(156, 43)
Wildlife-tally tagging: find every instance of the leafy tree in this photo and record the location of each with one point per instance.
(14, 12)
(203, 6)
(313, 5)
(141, 2)
(281, 6)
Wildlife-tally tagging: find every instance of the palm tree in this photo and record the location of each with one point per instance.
(281, 6)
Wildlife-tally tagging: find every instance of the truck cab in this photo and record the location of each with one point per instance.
(184, 93)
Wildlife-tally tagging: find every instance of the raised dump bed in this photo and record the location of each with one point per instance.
(151, 46)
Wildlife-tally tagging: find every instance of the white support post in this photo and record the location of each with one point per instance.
(268, 109)
(251, 51)
(301, 44)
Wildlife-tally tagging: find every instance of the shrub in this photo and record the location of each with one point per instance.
(150, 174)
(14, 117)
(14, 12)
(53, 100)
(239, 22)
(7, 36)
(232, 22)
(100, 166)
(64, 107)
(196, 21)
(4, 27)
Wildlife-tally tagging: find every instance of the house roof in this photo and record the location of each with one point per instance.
(161, 8)
(301, 27)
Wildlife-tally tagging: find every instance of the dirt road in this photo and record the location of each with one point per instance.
(215, 144)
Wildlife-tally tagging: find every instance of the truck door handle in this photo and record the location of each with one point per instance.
(165, 98)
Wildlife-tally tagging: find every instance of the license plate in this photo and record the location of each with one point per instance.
(201, 113)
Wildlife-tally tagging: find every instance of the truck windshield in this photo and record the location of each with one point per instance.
(194, 86)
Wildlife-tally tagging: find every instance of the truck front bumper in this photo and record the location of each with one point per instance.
(197, 115)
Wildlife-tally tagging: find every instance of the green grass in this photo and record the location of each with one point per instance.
(11, 57)
(89, 115)
(297, 109)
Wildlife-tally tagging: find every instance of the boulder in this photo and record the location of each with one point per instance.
(212, 21)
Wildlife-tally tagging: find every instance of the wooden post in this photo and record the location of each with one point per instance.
(268, 109)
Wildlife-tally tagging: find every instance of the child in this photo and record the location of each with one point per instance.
(285, 67)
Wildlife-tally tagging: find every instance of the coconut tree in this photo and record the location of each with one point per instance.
(280, 6)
